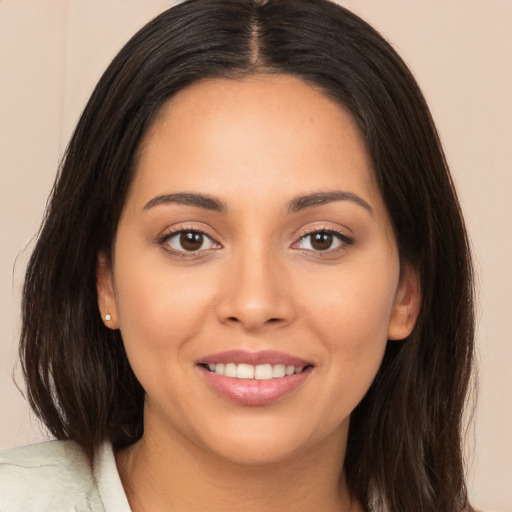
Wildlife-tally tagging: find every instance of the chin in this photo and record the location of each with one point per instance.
(257, 451)
(272, 442)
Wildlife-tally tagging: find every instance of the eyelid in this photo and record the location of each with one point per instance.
(345, 240)
(171, 232)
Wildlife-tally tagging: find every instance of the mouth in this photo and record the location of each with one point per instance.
(254, 378)
(257, 372)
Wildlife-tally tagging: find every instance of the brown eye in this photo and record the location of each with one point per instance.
(321, 241)
(191, 241)
(188, 241)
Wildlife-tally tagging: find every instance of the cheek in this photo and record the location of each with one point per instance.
(349, 311)
(160, 312)
(160, 309)
(354, 301)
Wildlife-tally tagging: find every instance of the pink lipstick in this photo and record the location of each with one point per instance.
(254, 378)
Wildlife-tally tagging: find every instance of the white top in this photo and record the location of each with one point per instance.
(56, 476)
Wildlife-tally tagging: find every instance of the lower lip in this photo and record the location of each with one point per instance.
(252, 391)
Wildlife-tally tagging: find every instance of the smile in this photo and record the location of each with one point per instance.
(254, 378)
(257, 372)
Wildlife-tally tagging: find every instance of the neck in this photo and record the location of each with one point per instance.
(164, 471)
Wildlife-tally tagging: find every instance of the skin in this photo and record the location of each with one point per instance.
(256, 283)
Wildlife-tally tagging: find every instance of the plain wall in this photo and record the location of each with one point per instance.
(53, 52)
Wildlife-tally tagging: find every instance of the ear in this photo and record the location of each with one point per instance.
(105, 290)
(407, 305)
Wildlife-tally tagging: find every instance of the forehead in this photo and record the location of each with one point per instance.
(265, 131)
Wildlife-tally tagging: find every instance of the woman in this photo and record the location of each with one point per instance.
(252, 287)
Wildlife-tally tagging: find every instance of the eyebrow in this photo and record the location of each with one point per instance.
(295, 205)
(320, 198)
(189, 199)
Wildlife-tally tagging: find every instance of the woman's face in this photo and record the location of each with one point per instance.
(254, 240)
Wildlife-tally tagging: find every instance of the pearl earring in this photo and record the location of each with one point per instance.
(107, 318)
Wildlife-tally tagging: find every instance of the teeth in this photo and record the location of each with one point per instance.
(258, 372)
(245, 371)
(230, 370)
(263, 372)
(278, 370)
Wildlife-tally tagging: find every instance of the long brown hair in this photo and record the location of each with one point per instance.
(404, 446)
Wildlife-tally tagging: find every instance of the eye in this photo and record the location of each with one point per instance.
(323, 240)
(188, 241)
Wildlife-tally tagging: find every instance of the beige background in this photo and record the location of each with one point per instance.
(52, 52)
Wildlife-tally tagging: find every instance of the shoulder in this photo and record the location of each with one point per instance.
(54, 475)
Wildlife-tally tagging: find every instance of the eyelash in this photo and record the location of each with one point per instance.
(345, 241)
(164, 239)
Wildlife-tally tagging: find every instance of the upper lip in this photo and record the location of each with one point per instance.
(254, 358)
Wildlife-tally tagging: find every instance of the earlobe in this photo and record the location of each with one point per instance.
(105, 292)
(407, 305)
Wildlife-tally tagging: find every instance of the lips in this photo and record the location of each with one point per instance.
(254, 378)
(254, 358)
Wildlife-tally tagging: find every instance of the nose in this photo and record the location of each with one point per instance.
(256, 292)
